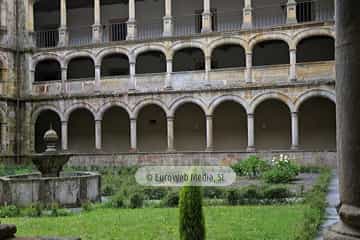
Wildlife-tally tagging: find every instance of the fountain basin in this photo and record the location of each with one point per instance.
(67, 190)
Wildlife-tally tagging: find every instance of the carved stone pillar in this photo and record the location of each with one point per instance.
(348, 118)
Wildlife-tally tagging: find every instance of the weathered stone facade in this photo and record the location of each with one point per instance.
(249, 86)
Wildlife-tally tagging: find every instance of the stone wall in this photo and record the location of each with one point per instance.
(204, 158)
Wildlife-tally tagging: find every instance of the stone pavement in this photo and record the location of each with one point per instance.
(333, 199)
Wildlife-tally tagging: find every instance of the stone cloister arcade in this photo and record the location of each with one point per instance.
(269, 121)
(188, 56)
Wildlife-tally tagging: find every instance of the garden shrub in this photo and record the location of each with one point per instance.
(251, 192)
(214, 192)
(108, 190)
(281, 171)
(310, 169)
(233, 196)
(252, 167)
(155, 193)
(277, 192)
(34, 210)
(136, 200)
(118, 201)
(171, 199)
(9, 211)
(87, 206)
(192, 222)
(56, 211)
(316, 204)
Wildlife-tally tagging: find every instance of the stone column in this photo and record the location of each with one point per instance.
(4, 137)
(292, 71)
(251, 132)
(294, 131)
(169, 69)
(133, 135)
(248, 70)
(291, 12)
(168, 20)
(96, 28)
(207, 70)
(131, 24)
(63, 32)
(348, 118)
(131, 84)
(64, 135)
(63, 80)
(97, 78)
(209, 133)
(247, 15)
(206, 17)
(170, 134)
(3, 15)
(31, 80)
(98, 134)
(30, 23)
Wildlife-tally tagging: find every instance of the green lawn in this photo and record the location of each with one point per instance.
(245, 223)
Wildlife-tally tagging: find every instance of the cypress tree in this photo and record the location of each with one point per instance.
(192, 222)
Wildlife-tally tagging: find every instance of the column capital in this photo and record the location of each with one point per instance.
(167, 18)
(170, 118)
(291, 2)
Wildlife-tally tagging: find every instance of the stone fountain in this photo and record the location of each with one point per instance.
(50, 185)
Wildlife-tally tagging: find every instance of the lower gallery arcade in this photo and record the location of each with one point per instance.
(271, 125)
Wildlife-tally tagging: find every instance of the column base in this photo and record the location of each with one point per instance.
(133, 150)
(291, 21)
(131, 30)
(251, 149)
(292, 79)
(63, 37)
(168, 26)
(96, 33)
(207, 23)
(340, 231)
(210, 149)
(295, 147)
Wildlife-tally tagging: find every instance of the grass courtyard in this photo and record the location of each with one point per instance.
(241, 222)
(249, 209)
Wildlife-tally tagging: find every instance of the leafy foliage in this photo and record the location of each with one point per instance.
(315, 200)
(251, 167)
(171, 199)
(282, 170)
(136, 200)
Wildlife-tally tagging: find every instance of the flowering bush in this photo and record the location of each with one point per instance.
(282, 170)
(252, 167)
